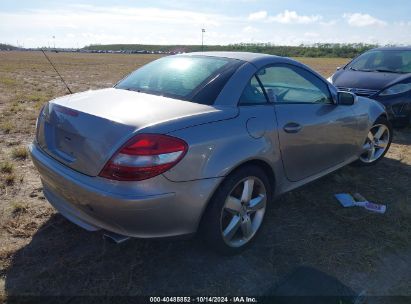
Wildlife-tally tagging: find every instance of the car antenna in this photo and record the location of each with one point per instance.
(48, 59)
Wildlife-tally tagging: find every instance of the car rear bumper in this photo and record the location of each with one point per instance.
(155, 207)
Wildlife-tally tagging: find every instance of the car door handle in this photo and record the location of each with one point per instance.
(292, 127)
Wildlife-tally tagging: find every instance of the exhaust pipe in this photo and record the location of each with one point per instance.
(114, 237)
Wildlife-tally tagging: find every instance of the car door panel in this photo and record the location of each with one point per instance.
(321, 137)
(315, 134)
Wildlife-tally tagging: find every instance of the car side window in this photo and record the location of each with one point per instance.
(253, 93)
(292, 84)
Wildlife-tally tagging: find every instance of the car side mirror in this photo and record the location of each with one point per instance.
(338, 68)
(346, 98)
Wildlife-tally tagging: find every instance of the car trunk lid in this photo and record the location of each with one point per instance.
(84, 130)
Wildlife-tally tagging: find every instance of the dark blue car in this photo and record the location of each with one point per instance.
(383, 74)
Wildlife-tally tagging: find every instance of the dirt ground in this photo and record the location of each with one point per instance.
(41, 253)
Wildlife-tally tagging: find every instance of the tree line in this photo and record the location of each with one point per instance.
(4, 47)
(349, 50)
(342, 50)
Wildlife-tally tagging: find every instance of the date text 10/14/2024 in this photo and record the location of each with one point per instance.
(239, 299)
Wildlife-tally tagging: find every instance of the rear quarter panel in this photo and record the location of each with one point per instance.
(215, 149)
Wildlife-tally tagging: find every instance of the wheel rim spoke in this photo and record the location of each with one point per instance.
(257, 203)
(247, 190)
(382, 144)
(380, 132)
(232, 227)
(246, 227)
(371, 153)
(233, 205)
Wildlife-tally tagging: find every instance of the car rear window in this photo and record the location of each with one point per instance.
(174, 76)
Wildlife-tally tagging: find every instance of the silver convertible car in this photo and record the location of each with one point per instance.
(199, 142)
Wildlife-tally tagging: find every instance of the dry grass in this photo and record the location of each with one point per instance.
(19, 208)
(20, 153)
(7, 81)
(6, 127)
(9, 179)
(42, 253)
(6, 167)
(324, 66)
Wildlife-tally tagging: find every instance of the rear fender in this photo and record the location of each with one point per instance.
(215, 149)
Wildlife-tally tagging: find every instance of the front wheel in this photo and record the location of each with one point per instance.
(237, 209)
(377, 143)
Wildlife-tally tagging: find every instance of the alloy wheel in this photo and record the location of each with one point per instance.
(243, 211)
(376, 143)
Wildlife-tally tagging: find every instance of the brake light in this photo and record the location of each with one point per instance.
(145, 156)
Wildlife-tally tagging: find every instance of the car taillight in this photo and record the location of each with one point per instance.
(145, 156)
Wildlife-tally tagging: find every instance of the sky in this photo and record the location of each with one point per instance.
(286, 22)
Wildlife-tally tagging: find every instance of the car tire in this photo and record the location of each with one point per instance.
(379, 144)
(234, 215)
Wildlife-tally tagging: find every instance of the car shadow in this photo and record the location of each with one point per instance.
(306, 227)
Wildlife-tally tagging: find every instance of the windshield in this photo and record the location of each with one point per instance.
(174, 76)
(391, 61)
